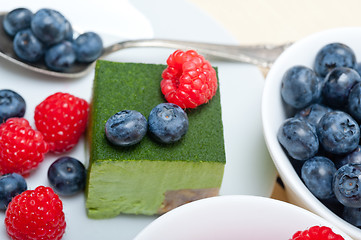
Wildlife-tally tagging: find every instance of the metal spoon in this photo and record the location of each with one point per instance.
(260, 55)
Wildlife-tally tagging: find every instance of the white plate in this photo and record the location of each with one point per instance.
(233, 218)
(249, 168)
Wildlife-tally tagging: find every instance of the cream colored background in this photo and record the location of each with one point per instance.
(278, 21)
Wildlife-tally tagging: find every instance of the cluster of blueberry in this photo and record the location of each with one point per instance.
(322, 134)
(48, 35)
(167, 123)
(66, 175)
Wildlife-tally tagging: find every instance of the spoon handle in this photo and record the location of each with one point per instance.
(259, 55)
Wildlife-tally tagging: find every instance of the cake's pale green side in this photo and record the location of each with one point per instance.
(134, 179)
(137, 187)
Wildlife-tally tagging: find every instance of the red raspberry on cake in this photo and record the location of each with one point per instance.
(35, 214)
(189, 80)
(62, 119)
(21, 147)
(317, 233)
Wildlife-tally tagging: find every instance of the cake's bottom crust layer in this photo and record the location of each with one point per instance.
(148, 187)
(177, 198)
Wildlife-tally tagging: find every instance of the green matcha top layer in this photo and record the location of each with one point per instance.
(136, 86)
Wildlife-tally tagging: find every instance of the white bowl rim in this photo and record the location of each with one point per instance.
(188, 208)
(283, 165)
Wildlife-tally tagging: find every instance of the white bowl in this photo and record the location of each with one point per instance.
(233, 217)
(302, 52)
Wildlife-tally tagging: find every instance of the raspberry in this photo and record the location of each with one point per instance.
(62, 119)
(317, 233)
(35, 214)
(21, 147)
(189, 80)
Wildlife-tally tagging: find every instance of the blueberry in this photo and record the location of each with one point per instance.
(168, 122)
(337, 86)
(67, 176)
(299, 138)
(49, 26)
(317, 174)
(60, 56)
(68, 31)
(126, 128)
(16, 20)
(300, 87)
(88, 47)
(347, 185)
(10, 186)
(27, 47)
(333, 55)
(352, 157)
(354, 100)
(338, 132)
(11, 105)
(352, 215)
(357, 68)
(313, 113)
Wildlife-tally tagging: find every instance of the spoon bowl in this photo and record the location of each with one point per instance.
(7, 52)
(260, 55)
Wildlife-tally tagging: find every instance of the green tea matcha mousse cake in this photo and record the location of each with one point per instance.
(149, 178)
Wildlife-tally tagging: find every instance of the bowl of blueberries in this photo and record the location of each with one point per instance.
(311, 114)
